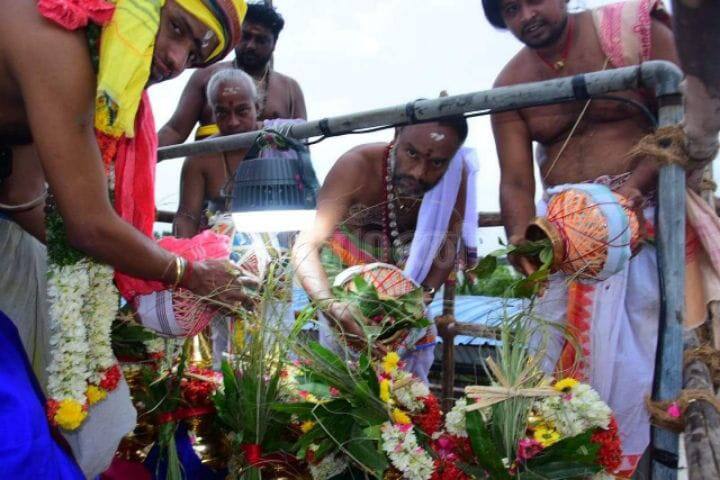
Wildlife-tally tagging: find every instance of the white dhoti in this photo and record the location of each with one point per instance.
(23, 270)
(615, 325)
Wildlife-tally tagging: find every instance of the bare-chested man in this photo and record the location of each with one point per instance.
(279, 96)
(205, 179)
(48, 90)
(618, 324)
(369, 208)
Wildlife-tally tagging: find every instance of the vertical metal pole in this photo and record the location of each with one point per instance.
(671, 267)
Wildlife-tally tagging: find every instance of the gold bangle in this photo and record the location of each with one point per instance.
(180, 265)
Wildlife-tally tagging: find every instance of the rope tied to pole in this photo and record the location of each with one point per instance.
(707, 355)
(670, 414)
(668, 146)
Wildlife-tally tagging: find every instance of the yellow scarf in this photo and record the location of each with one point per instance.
(126, 52)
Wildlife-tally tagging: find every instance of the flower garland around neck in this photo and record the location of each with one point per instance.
(83, 304)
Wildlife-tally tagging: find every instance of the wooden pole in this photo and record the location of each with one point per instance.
(671, 266)
(446, 330)
(702, 421)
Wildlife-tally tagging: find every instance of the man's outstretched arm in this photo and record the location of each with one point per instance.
(187, 113)
(58, 88)
(334, 200)
(517, 180)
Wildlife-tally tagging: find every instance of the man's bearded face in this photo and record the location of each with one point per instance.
(256, 47)
(536, 23)
(182, 42)
(421, 155)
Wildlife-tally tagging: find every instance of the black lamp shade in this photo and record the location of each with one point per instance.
(274, 184)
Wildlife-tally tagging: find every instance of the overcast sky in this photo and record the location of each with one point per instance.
(351, 56)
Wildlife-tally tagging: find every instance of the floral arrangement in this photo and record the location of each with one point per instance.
(370, 418)
(525, 425)
(567, 435)
(257, 375)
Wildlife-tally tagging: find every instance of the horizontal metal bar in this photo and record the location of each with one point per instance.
(661, 76)
(485, 219)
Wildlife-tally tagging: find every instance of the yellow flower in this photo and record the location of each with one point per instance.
(385, 390)
(390, 362)
(307, 426)
(546, 436)
(95, 394)
(70, 414)
(566, 384)
(400, 417)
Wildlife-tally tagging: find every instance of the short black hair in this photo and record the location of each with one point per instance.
(493, 14)
(267, 16)
(456, 123)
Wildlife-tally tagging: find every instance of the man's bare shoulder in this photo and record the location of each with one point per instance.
(358, 164)
(517, 69)
(23, 16)
(200, 163)
(285, 80)
(201, 76)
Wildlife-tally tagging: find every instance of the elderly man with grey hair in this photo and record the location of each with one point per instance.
(206, 179)
(233, 99)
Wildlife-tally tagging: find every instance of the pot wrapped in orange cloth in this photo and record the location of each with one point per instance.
(592, 230)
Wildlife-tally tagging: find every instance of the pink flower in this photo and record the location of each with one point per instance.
(674, 410)
(334, 392)
(404, 428)
(528, 448)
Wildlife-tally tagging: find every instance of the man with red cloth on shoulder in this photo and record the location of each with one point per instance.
(74, 116)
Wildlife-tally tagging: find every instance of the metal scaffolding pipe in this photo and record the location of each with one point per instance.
(660, 76)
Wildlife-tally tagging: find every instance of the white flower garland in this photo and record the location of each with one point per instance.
(401, 447)
(83, 305)
(101, 308)
(68, 369)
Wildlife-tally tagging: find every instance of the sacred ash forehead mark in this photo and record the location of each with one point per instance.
(438, 137)
(230, 90)
(207, 38)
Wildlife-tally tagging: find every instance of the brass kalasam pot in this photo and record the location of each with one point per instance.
(541, 228)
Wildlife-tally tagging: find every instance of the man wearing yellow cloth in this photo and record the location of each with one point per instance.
(74, 121)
